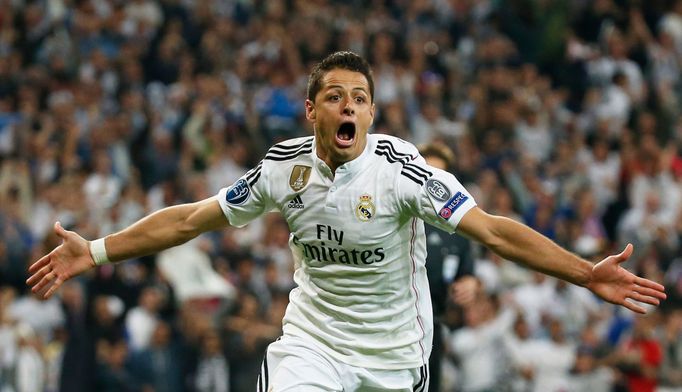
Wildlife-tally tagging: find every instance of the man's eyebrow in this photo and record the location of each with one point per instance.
(333, 86)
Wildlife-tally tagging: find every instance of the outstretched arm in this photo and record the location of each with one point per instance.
(521, 244)
(161, 230)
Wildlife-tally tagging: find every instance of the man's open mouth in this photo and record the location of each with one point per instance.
(345, 135)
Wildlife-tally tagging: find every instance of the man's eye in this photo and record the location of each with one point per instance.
(335, 98)
(360, 99)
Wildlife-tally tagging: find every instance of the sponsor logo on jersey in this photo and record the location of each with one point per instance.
(365, 209)
(296, 202)
(330, 248)
(238, 193)
(453, 204)
(437, 189)
(299, 177)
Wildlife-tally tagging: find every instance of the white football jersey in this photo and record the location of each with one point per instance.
(358, 241)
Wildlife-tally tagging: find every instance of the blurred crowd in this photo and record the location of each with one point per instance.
(563, 114)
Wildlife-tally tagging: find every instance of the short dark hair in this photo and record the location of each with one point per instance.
(339, 60)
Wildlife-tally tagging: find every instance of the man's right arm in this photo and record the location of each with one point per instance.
(161, 230)
(165, 228)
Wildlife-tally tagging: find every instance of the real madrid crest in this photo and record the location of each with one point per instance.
(299, 177)
(365, 209)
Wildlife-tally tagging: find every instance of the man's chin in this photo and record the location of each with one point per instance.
(343, 155)
(348, 154)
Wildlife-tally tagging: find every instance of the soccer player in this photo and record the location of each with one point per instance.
(360, 316)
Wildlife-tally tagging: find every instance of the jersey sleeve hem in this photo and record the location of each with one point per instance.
(461, 211)
(222, 197)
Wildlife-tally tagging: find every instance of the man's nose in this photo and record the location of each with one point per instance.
(348, 108)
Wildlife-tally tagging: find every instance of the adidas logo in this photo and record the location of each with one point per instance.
(296, 202)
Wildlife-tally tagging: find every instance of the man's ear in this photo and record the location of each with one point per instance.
(372, 111)
(309, 110)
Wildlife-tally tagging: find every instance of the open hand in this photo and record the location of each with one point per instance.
(69, 259)
(617, 285)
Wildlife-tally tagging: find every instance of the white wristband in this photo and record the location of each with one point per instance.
(99, 252)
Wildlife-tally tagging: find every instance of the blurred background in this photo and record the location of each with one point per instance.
(564, 114)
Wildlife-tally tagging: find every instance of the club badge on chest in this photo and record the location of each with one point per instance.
(365, 209)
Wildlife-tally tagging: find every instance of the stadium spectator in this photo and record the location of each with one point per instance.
(477, 345)
(670, 339)
(639, 357)
(212, 369)
(141, 321)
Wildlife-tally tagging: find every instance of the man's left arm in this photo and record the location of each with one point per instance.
(519, 243)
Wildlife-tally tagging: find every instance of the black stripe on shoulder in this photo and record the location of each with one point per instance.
(284, 147)
(388, 144)
(418, 168)
(253, 175)
(277, 153)
(386, 154)
(254, 171)
(253, 181)
(411, 171)
(408, 175)
(386, 149)
(292, 155)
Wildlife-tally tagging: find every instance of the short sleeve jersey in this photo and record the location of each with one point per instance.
(357, 236)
